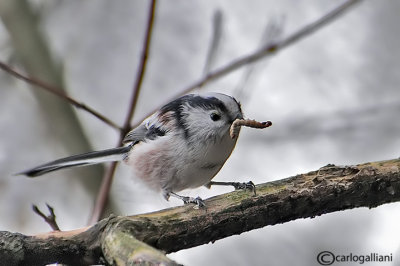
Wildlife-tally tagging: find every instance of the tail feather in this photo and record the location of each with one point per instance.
(89, 158)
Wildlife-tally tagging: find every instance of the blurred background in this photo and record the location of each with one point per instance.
(333, 97)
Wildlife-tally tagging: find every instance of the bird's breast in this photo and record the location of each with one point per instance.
(170, 165)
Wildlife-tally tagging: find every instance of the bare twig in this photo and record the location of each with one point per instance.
(215, 41)
(272, 48)
(108, 177)
(102, 195)
(57, 92)
(269, 49)
(142, 68)
(49, 219)
(273, 31)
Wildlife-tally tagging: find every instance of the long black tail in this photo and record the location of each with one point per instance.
(95, 157)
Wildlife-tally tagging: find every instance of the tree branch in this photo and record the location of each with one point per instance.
(121, 248)
(100, 244)
(58, 92)
(142, 68)
(49, 219)
(214, 46)
(273, 48)
(329, 189)
(102, 196)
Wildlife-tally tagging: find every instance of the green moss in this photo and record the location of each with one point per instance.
(270, 189)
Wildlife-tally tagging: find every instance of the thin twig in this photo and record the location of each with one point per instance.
(57, 92)
(49, 219)
(272, 32)
(108, 177)
(272, 48)
(269, 49)
(215, 41)
(102, 195)
(142, 69)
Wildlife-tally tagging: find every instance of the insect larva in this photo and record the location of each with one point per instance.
(235, 127)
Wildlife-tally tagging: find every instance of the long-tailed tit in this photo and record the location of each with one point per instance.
(183, 145)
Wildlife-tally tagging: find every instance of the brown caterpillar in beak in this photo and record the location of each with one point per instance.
(235, 127)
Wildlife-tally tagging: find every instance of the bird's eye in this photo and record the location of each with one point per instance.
(215, 117)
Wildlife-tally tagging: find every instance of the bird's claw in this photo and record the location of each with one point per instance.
(198, 201)
(243, 186)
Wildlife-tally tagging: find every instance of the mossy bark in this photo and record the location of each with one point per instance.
(331, 188)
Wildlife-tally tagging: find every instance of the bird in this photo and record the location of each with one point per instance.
(183, 145)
